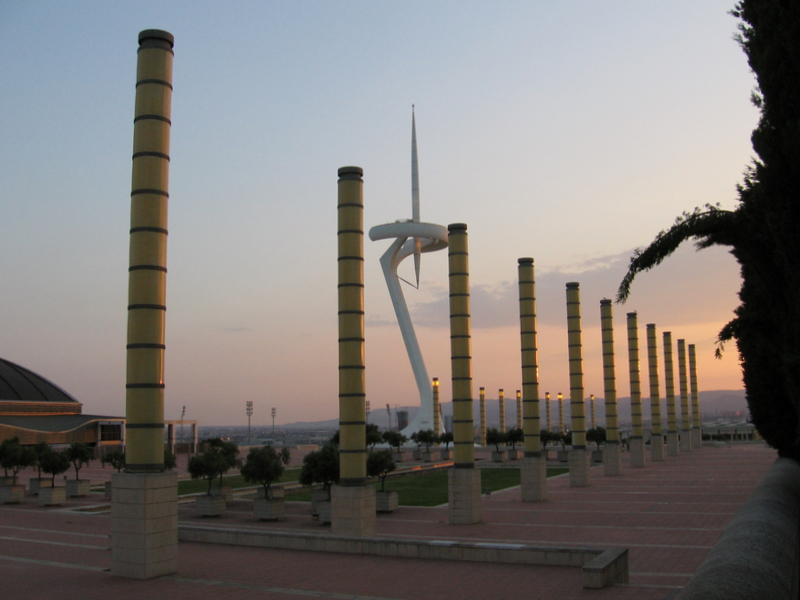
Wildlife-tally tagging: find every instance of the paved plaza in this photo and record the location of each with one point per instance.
(668, 515)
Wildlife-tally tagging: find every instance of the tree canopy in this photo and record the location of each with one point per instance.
(761, 231)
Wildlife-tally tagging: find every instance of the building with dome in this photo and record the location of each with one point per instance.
(36, 410)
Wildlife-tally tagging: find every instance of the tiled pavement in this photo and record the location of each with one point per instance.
(668, 515)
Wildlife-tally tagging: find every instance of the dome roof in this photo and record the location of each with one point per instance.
(18, 383)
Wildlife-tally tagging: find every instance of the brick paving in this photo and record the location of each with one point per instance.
(668, 515)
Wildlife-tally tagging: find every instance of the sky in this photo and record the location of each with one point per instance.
(570, 132)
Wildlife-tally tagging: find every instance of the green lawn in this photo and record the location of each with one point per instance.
(194, 486)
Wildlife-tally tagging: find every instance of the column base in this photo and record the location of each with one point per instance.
(638, 459)
(533, 473)
(464, 496)
(673, 449)
(697, 437)
(686, 440)
(353, 510)
(144, 524)
(657, 448)
(612, 458)
(579, 467)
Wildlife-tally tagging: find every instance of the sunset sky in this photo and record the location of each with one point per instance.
(568, 132)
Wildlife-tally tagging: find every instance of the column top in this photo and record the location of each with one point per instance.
(632, 314)
(351, 172)
(605, 302)
(573, 285)
(527, 260)
(156, 37)
(457, 227)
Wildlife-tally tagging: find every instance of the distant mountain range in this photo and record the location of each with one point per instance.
(712, 403)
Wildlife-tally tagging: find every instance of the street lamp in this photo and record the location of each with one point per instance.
(274, 410)
(249, 411)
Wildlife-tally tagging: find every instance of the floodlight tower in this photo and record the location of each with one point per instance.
(249, 411)
(411, 237)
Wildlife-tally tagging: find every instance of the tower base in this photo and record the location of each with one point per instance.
(144, 524)
(673, 449)
(638, 459)
(657, 447)
(579, 467)
(612, 458)
(353, 510)
(686, 440)
(464, 496)
(533, 473)
(697, 437)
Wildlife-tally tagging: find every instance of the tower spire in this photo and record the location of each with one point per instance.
(415, 193)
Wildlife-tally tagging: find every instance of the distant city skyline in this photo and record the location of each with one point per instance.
(569, 133)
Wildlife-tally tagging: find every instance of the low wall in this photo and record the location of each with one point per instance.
(601, 568)
(757, 556)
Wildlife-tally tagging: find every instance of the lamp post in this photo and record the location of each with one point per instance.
(274, 410)
(183, 414)
(249, 410)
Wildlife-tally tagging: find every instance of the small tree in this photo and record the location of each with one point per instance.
(79, 455)
(170, 460)
(40, 450)
(380, 464)
(115, 458)
(446, 438)
(229, 453)
(265, 466)
(596, 435)
(321, 466)
(53, 463)
(565, 439)
(427, 437)
(515, 436)
(493, 436)
(208, 465)
(545, 435)
(415, 439)
(373, 436)
(16, 457)
(394, 438)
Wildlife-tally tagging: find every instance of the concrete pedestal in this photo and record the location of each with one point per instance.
(353, 510)
(533, 473)
(144, 524)
(638, 459)
(612, 459)
(697, 438)
(673, 448)
(579, 467)
(464, 496)
(686, 440)
(657, 448)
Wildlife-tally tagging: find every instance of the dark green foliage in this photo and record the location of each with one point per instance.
(762, 231)
(515, 436)
(53, 463)
(209, 465)
(427, 438)
(16, 457)
(170, 460)
(394, 438)
(322, 467)
(115, 458)
(596, 435)
(229, 453)
(373, 436)
(79, 455)
(40, 450)
(380, 464)
(493, 436)
(265, 465)
(546, 436)
(446, 438)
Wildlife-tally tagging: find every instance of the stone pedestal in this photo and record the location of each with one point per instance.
(386, 502)
(612, 459)
(464, 496)
(144, 524)
(12, 494)
(533, 474)
(269, 509)
(353, 510)
(78, 487)
(657, 448)
(579, 467)
(638, 459)
(672, 444)
(686, 441)
(36, 484)
(697, 438)
(52, 496)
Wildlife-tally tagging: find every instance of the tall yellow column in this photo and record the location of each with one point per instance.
(534, 465)
(464, 480)
(547, 410)
(561, 428)
(482, 399)
(578, 456)
(612, 459)
(686, 416)
(519, 409)
(591, 411)
(144, 546)
(697, 427)
(352, 501)
(637, 439)
(673, 449)
(657, 437)
(501, 401)
(437, 421)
